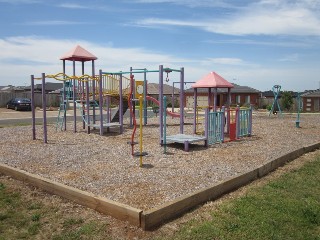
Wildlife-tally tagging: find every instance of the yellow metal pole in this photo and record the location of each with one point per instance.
(140, 116)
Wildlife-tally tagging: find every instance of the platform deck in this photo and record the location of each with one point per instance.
(185, 139)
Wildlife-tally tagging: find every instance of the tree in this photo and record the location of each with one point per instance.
(286, 100)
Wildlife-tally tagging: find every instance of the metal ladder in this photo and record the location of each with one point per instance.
(61, 116)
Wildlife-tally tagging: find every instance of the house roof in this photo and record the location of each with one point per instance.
(153, 88)
(78, 54)
(50, 86)
(312, 93)
(212, 80)
(11, 88)
(236, 89)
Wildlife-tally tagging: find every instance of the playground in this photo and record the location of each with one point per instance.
(103, 165)
(142, 169)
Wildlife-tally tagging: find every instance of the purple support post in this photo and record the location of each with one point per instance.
(44, 109)
(215, 99)
(186, 146)
(209, 98)
(161, 102)
(100, 102)
(229, 98)
(93, 93)
(64, 102)
(181, 99)
(74, 99)
(33, 109)
(121, 105)
(133, 104)
(145, 110)
(195, 95)
(83, 85)
(88, 106)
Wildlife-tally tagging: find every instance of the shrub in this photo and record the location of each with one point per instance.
(286, 100)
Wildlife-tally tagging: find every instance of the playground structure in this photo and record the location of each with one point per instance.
(276, 89)
(92, 93)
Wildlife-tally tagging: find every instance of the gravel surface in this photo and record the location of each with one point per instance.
(103, 165)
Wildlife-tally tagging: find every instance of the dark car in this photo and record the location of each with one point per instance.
(19, 104)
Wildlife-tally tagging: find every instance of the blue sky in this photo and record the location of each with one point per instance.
(254, 43)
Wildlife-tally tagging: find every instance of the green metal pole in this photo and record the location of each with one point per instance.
(298, 112)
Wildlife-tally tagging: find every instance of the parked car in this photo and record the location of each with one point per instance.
(19, 104)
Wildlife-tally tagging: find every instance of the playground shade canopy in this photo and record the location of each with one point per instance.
(78, 54)
(212, 80)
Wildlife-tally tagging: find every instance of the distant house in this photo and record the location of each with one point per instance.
(240, 95)
(11, 89)
(311, 101)
(153, 91)
(49, 87)
(269, 95)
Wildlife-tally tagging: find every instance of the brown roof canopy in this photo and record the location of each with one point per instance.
(78, 54)
(212, 80)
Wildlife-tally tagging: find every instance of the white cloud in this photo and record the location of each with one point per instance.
(262, 18)
(293, 43)
(290, 58)
(22, 56)
(74, 6)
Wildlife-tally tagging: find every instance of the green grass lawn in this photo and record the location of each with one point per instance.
(25, 218)
(285, 208)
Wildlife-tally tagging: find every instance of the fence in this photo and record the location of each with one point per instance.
(244, 122)
(51, 98)
(216, 127)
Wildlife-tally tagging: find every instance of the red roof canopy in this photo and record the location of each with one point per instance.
(212, 80)
(78, 54)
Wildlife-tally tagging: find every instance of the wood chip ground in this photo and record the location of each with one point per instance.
(103, 165)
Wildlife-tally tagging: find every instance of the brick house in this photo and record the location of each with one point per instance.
(311, 101)
(240, 95)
